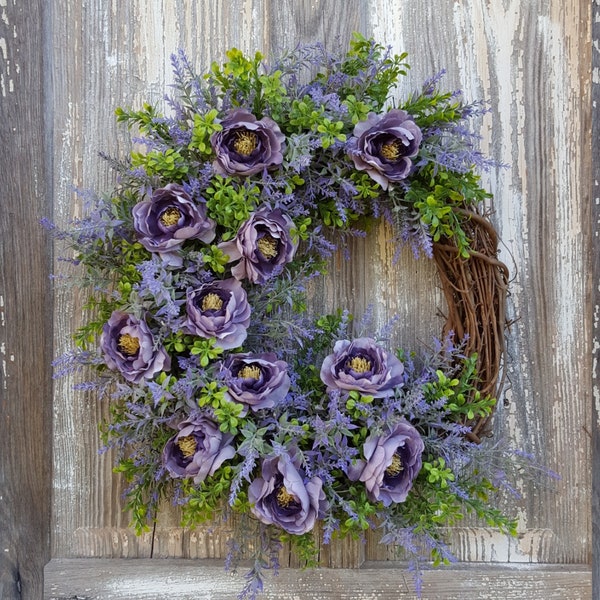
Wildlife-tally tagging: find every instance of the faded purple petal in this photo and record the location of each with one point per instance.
(198, 449)
(363, 366)
(282, 497)
(170, 218)
(391, 463)
(219, 310)
(256, 380)
(384, 145)
(263, 243)
(246, 145)
(128, 346)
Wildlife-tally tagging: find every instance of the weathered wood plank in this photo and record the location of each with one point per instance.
(595, 223)
(25, 304)
(531, 60)
(202, 580)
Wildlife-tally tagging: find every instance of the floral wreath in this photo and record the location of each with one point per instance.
(226, 395)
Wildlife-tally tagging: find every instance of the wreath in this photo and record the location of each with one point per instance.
(226, 394)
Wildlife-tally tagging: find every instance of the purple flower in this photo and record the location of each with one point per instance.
(245, 145)
(263, 244)
(282, 497)
(363, 366)
(384, 145)
(168, 219)
(256, 380)
(219, 310)
(198, 449)
(392, 461)
(128, 346)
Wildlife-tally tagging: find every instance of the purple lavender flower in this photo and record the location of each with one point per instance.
(245, 145)
(198, 449)
(363, 366)
(219, 310)
(282, 496)
(256, 380)
(392, 461)
(263, 243)
(168, 219)
(383, 146)
(128, 346)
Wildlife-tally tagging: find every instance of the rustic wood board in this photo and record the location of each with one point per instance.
(25, 304)
(595, 225)
(97, 579)
(531, 60)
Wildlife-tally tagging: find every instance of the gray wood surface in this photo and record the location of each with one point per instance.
(595, 225)
(97, 579)
(25, 305)
(531, 60)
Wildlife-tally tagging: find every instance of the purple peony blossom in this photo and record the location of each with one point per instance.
(163, 223)
(392, 461)
(198, 449)
(219, 310)
(383, 146)
(128, 346)
(256, 380)
(263, 243)
(363, 366)
(282, 496)
(245, 145)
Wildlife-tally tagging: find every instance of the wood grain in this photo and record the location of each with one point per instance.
(25, 305)
(531, 61)
(595, 293)
(204, 580)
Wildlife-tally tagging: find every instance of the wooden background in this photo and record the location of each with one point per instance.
(65, 65)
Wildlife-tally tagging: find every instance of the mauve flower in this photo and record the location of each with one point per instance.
(256, 380)
(219, 310)
(263, 243)
(363, 366)
(282, 497)
(163, 223)
(245, 145)
(128, 346)
(392, 461)
(384, 145)
(198, 449)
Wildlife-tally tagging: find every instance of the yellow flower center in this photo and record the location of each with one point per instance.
(129, 344)
(170, 216)
(245, 142)
(391, 150)
(396, 467)
(267, 246)
(212, 302)
(359, 364)
(284, 498)
(250, 372)
(187, 445)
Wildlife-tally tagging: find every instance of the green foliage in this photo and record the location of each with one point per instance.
(241, 78)
(170, 165)
(230, 203)
(204, 500)
(460, 393)
(373, 89)
(226, 413)
(357, 110)
(148, 120)
(215, 259)
(305, 548)
(439, 195)
(204, 126)
(306, 116)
